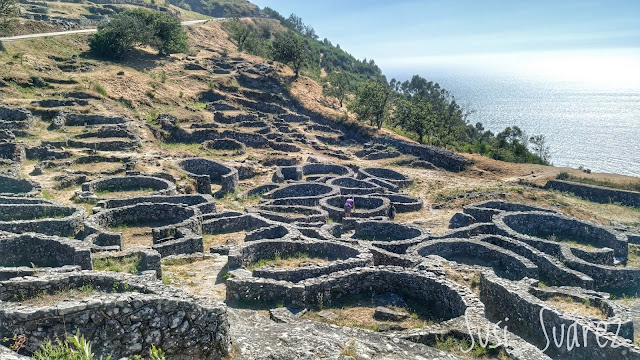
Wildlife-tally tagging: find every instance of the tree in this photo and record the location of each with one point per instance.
(291, 48)
(337, 86)
(540, 147)
(239, 32)
(8, 8)
(136, 28)
(372, 102)
(415, 115)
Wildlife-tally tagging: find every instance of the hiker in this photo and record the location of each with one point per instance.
(392, 212)
(349, 206)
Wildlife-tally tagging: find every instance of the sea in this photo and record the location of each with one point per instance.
(586, 124)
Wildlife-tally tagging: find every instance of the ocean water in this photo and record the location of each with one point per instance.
(588, 125)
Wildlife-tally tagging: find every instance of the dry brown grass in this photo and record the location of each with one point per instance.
(203, 277)
(470, 279)
(44, 299)
(290, 262)
(96, 167)
(361, 317)
(134, 236)
(572, 306)
(210, 240)
(125, 193)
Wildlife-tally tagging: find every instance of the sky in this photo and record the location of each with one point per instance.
(598, 41)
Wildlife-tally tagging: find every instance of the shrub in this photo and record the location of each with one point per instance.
(563, 176)
(139, 27)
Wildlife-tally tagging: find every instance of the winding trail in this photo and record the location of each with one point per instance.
(86, 31)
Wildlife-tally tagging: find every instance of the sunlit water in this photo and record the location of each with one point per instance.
(585, 125)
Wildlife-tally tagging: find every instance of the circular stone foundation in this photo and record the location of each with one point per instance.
(293, 254)
(290, 214)
(387, 235)
(207, 172)
(351, 186)
(447, 299)
(387, 175)
(303, 194)
(326, 169)
(404, 203)
(132, 183)
(43, 251)
(548, 231)
(205, 203)
(10, 186)
(365, 206)
(168, 222)
(48, 219)
(505, 263)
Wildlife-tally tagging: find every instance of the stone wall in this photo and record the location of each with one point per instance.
(13, 151)
(351, 186)
(470, 251)
(365, 206)
(11, 186)
(15, 119)
(41, 218)
(43, 251)
(133, 315)
(205, 203)
(544, 225)
(340, 255)
(130, 183)
(485, 210)
(207, 172)
(437, 156)
(597, 194)
(504, 300)
(387, 175)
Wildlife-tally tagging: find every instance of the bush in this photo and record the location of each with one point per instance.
(137, 28)
(77, 348)
(563, 176)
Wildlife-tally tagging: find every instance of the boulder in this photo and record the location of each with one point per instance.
(386, 314)
(461, 220)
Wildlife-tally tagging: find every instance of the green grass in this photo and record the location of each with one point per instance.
(100, 89)
(200, 105)
(129, 264)
(177, 262)
(47, 195)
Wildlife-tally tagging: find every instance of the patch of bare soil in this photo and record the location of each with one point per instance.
(202, 278)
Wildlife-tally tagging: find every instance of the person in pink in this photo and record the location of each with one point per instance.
(349, 206)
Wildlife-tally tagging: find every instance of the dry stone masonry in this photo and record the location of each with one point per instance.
(293, 251)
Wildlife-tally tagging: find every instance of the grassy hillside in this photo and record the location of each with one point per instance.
(219, 8)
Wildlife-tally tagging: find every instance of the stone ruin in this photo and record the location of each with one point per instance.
(508, 248)
(499, 260)
(121, 315)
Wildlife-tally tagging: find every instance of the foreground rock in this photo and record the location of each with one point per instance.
(256, 337)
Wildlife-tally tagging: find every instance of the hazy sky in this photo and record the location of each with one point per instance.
(572, 39)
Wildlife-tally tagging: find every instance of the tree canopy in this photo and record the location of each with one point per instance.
(372, 103)
(417, 107)
(336, 85)
(139, 27)
(291, 48)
